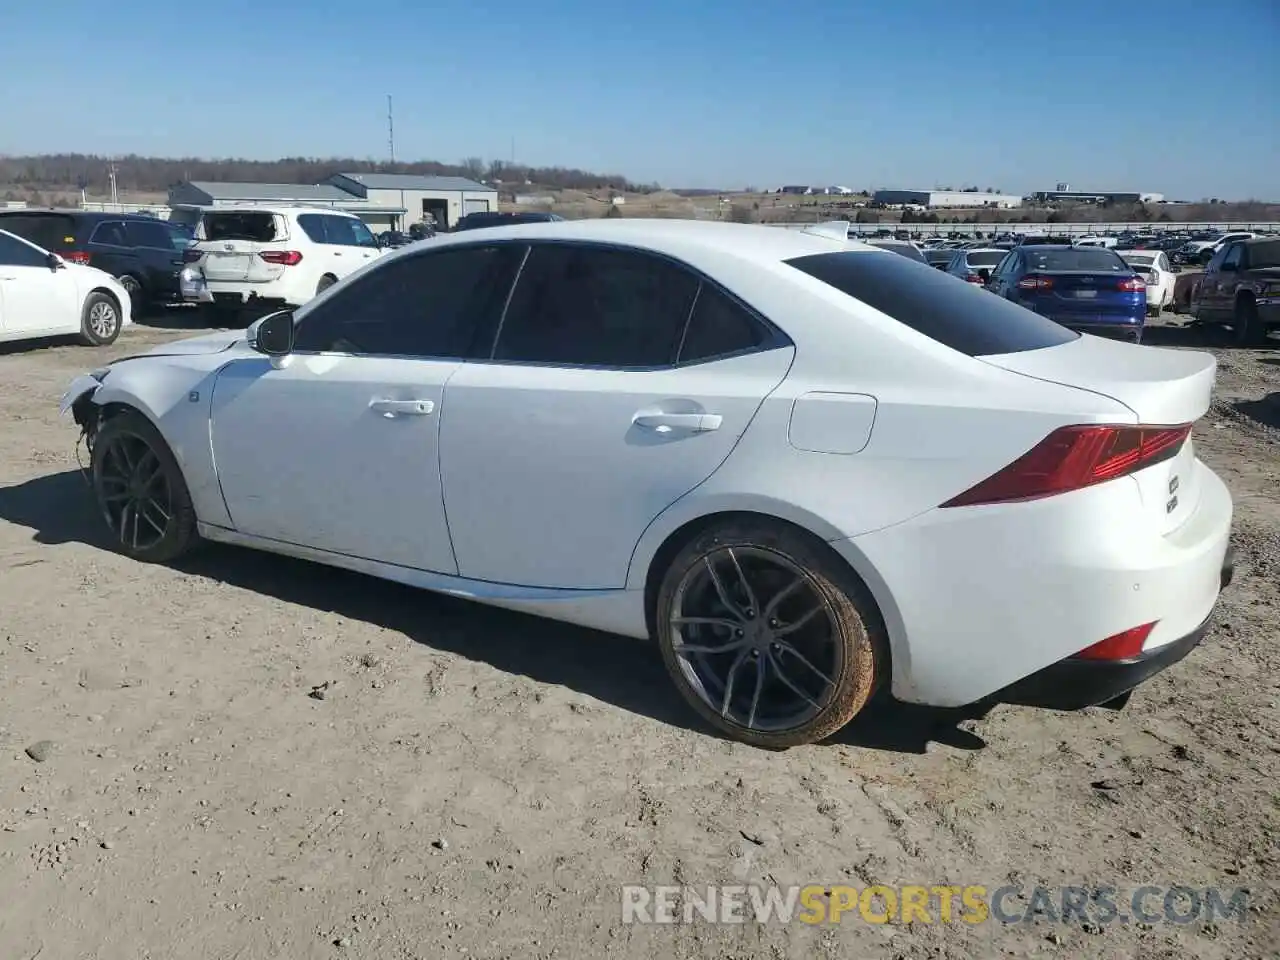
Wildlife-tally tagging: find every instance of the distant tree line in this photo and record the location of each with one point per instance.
(72, 172)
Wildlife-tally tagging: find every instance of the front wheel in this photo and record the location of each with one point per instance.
(140, 490)
(767, 635)
(100, 320)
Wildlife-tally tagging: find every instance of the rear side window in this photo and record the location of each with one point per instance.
(958, 315)
(594, 306)
(1091, 259)
(312, 225)
(148, 233)
(254, 225)
(720, 326)
(52, 231)
(111, 233)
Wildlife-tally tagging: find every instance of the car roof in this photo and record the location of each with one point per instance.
(677, 238)
(77, 214)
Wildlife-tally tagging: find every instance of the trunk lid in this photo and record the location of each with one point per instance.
(1162, 387)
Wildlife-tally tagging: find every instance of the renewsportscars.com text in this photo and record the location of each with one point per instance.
(912, 903)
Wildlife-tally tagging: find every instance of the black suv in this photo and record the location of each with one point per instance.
(492, 218)
(144, 253)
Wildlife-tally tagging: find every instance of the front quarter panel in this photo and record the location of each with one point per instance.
(173, 393)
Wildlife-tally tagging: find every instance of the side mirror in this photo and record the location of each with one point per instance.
(55, 262)
(272, 334)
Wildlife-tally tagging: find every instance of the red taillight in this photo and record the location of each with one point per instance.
(1122, 646)
(75, 256)
(1035, 283)
(1133, 285)
(287, 258)
(1074, 457)
(191, 255)
(974, 278)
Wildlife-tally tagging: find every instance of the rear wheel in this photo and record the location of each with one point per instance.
(140, 490)
(1248, 325)
(767, 635)
(100, 319)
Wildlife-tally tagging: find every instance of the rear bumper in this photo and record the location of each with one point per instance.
(1073, 683)
(977, 599)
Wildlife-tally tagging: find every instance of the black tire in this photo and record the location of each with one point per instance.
(100, 319)
(327, 281)
(1248, 325)
(140, 490)
(851, 656)
(133, 287)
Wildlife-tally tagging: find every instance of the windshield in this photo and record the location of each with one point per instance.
(1083, 259)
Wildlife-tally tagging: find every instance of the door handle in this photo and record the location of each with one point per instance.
(401, 408)
(670, 422)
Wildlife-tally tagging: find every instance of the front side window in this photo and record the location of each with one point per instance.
(422, 306)
(347, 232)
(1235, 254)
(15, 253)
(596, 306)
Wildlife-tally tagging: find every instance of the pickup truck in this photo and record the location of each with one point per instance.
(1241, 287)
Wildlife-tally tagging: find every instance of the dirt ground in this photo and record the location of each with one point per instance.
(479, 784)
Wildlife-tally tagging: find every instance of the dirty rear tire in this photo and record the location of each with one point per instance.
(857, 619)
(1249, 330)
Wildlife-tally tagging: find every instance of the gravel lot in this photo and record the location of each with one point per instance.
(478, 783)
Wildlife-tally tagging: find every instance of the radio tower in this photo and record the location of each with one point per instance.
(391, 131)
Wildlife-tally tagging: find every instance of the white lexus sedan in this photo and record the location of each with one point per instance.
(41, 295)
(808, 468)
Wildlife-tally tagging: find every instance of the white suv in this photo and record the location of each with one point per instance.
(265, 257)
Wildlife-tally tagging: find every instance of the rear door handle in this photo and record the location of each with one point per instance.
(402, 408)
(671, 422)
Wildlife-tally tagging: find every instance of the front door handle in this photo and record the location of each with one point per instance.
(671, 422)
(402, 408)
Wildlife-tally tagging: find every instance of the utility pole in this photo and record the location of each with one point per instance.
(391, 131)
(115, 195)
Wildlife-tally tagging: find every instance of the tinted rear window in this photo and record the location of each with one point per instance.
(1089, 259)
(936, 304)
(48, 230)
(985, 258)
(254, 225)
(1264, 254)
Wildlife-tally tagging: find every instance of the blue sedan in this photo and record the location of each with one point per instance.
(1086, 288)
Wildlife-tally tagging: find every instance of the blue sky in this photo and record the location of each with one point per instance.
(1176, 96)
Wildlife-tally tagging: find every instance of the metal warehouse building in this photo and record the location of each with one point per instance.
(447, 199)
(1081, 196)
(207, 193)
(944, 198)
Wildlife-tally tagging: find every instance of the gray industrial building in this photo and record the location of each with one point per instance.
(944, 198)
(385, 201)
(1067, 195)
(446, 199)
(209, 193)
